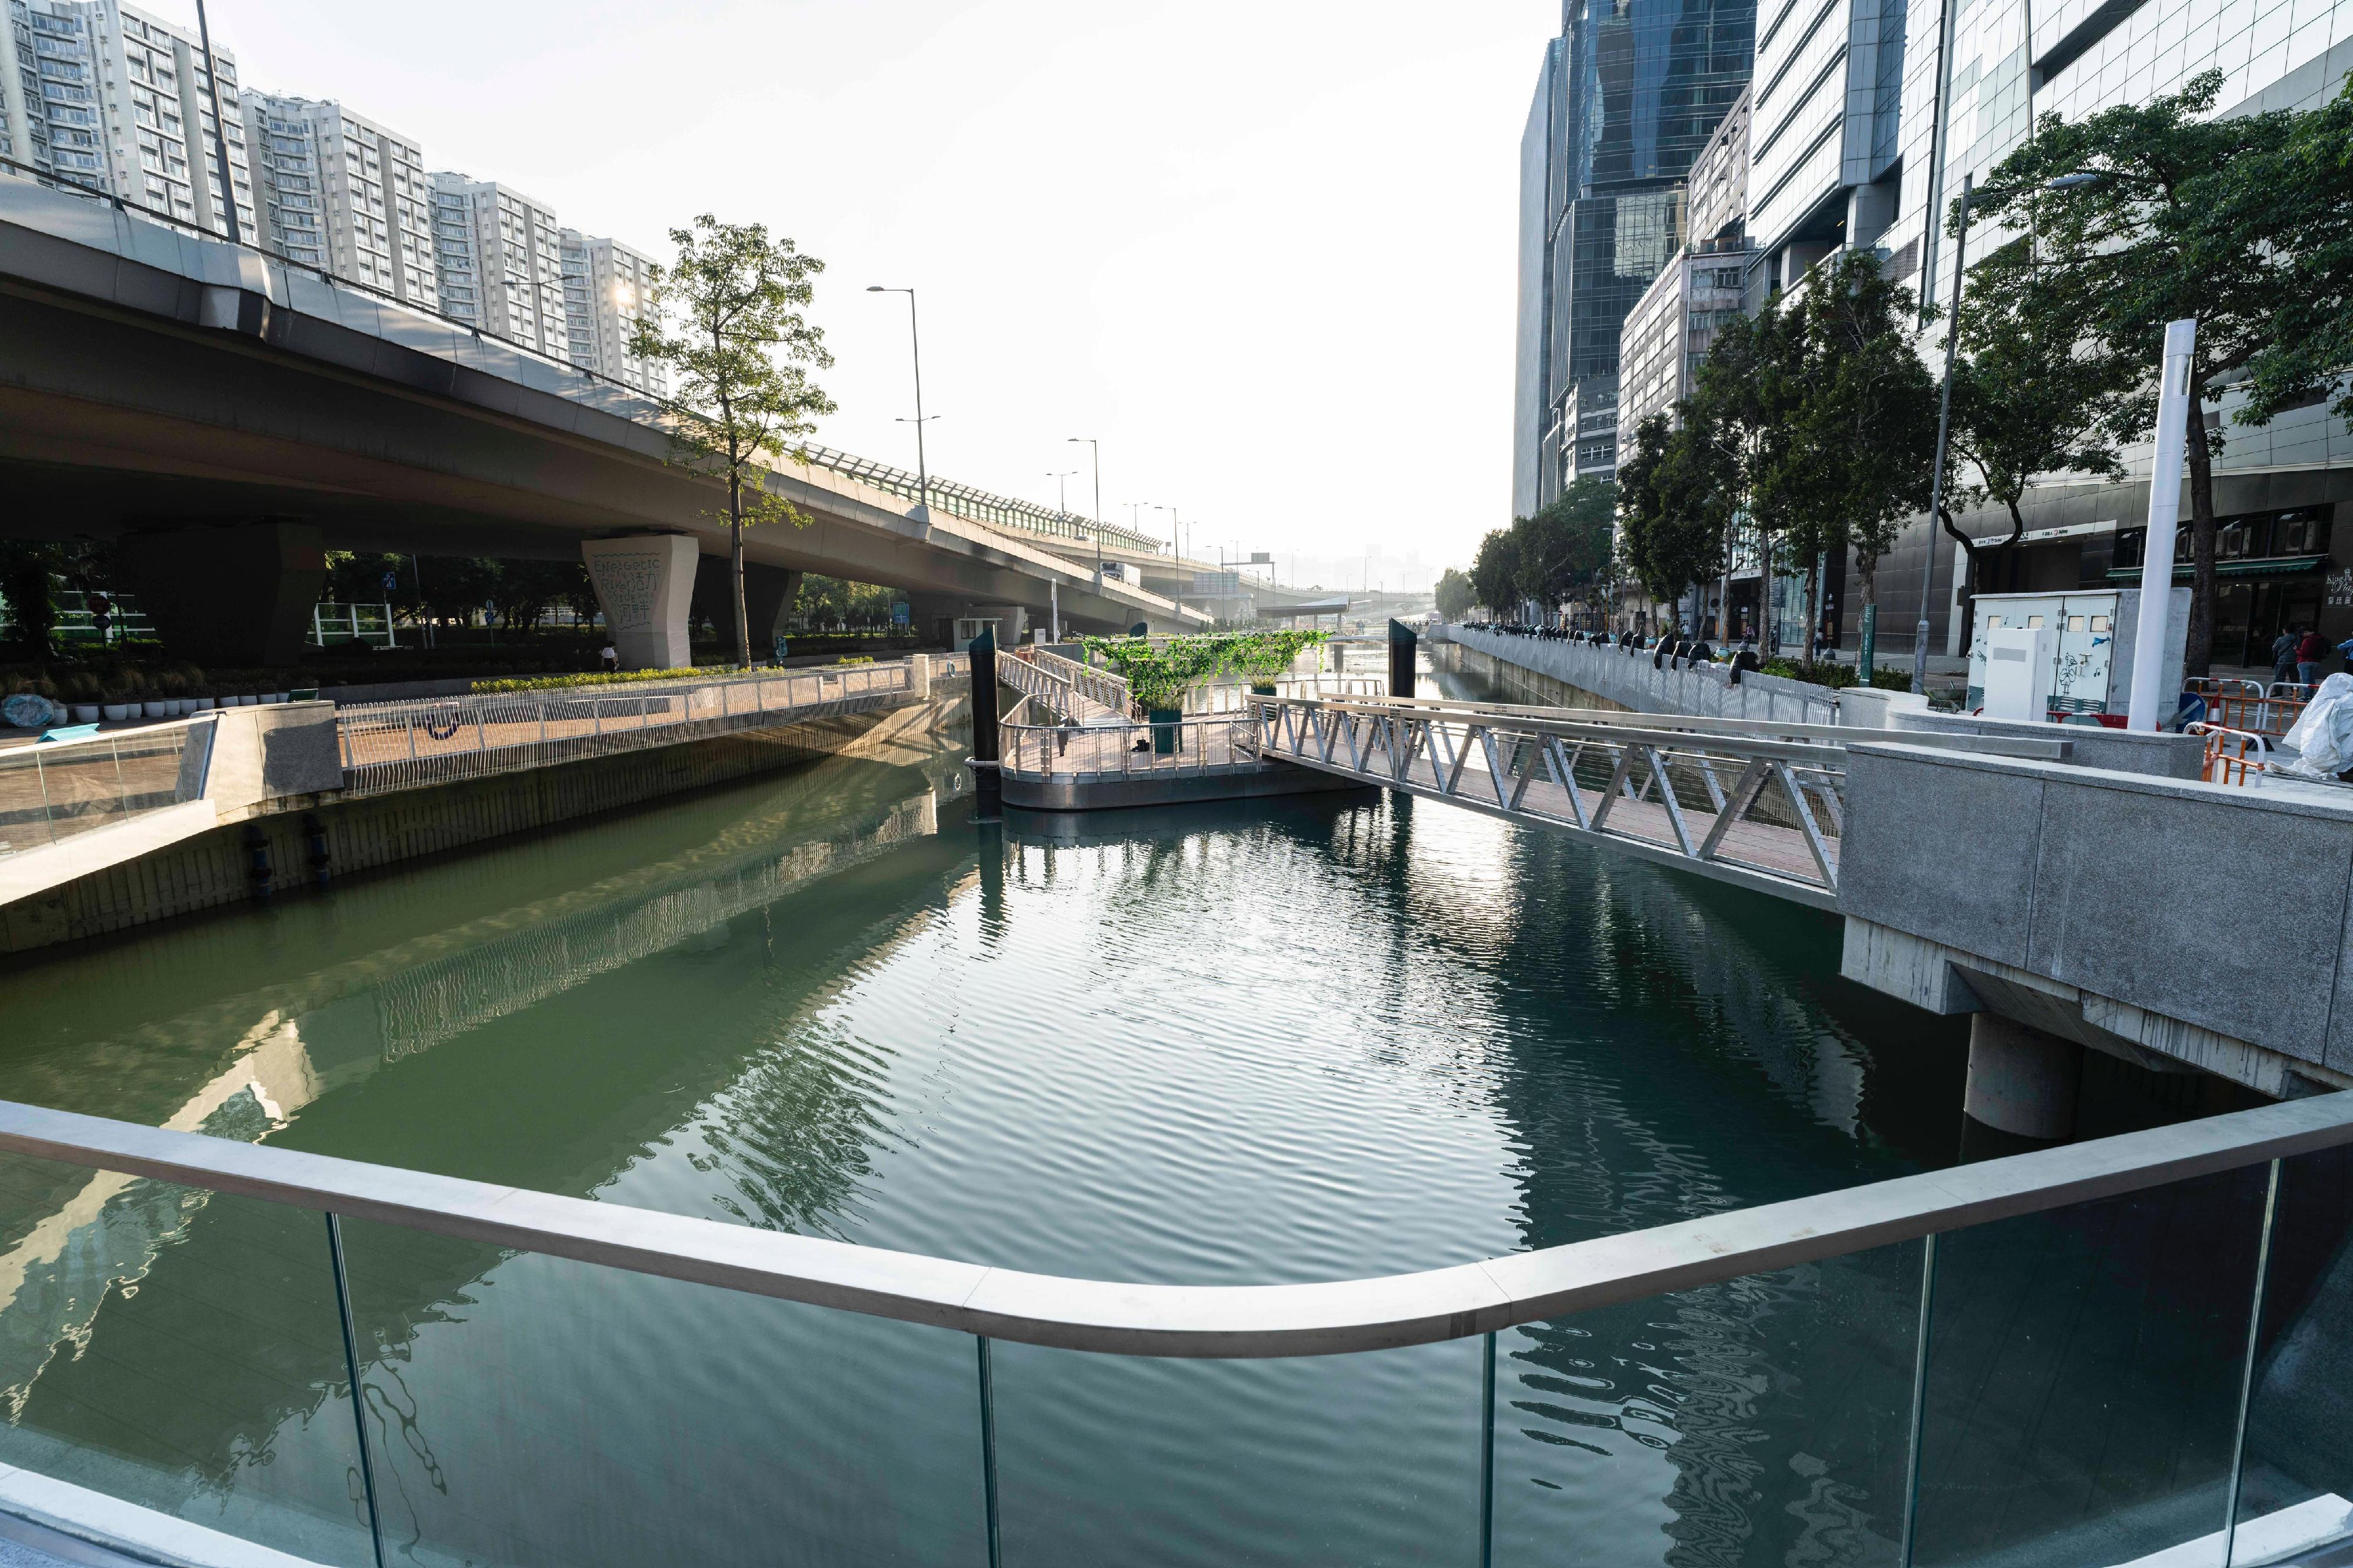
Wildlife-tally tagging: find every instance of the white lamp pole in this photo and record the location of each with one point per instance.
(923, 475)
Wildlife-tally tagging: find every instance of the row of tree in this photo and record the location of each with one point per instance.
(1561, 554)
(1812, 427)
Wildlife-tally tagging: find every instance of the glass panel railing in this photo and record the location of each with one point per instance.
(1761, 1421)
(2296, 1471)
(534, 1411)
(2084, 1377)
(171, 1357)
(1358, 1460)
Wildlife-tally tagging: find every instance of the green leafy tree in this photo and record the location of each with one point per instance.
(2115, 257)
(29, 569)
(1495, 572)
(1675, 505)
(2296, 201)
(1454, 594)
(2024, 404)
(1563, 552)
(727, 317)
(1734, 428)
(1860, 436)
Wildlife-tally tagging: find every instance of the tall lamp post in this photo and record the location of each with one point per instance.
(220, 125)
(1945, 417)
(1095, 448)
(923, 512)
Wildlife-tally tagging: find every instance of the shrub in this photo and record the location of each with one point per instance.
(599, 678)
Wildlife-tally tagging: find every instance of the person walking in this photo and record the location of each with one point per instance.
(2284, 652)
(2310, 651)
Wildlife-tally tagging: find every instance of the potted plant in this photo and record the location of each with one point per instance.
(1157, 677)
(1265, 656)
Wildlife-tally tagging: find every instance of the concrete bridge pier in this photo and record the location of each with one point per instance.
(768, 593)
(2022, 1081)
(645, 583)
(236, 594)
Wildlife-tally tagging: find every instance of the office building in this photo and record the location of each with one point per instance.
(343, 193)
(1626, 99)
(1823, 148)
(106, 96)
(1672, 326)
(1976, 77)
(499, 262)
(608, 287)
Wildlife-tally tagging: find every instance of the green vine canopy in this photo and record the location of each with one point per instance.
(1159, 674)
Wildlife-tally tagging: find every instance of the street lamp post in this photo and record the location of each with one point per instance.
(1945, 417)
(923, 512)
(220, 125)
(1095, 448)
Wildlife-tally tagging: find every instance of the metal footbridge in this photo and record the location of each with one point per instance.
(1757, 803)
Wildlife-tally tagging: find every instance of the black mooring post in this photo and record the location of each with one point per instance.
(1403, 644)
(988, 789)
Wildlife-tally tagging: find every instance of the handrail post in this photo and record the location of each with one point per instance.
(1919, 1401)
(2247, 1369)
(351, 1366)
(1487, 1458)
(989, 1453)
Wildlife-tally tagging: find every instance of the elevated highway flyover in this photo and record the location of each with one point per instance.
(224, 417)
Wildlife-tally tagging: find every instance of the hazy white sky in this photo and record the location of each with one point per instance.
(1264, 250)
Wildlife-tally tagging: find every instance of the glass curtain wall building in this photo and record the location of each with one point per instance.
(1977, 76)
(1626, 98)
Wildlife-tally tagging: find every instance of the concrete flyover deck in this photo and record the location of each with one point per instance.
(153, 382)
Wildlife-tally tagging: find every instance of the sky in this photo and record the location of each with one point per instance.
(1264, 252)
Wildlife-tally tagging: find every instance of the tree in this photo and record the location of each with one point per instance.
(2297, 199)
(1673, 505)
(2024, 402)
(727, 317)
(1860, 425)
(29, 570)
(2115, 257)
(1455, 594)
(1564, 550)
(1733, 429)
(1495, 572)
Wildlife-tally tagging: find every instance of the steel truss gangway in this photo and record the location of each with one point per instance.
(1750, 802)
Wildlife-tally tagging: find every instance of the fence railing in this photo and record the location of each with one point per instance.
(51, 791)
(2091, 1353)
(399, 745)
(1098, 686)
(1213, 743)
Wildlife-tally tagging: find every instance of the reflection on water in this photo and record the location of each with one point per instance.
(1290, 1041)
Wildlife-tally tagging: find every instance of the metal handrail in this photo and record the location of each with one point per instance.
(1195, 1320)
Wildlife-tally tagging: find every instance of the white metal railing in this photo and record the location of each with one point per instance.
(51, 791)
(1212, 744)
(1756, 802)
(399, 745)
(1099, 686)
(1473, 1300)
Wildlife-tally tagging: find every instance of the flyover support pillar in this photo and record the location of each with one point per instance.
(768, 593)
(644, 583)
(2022, 1081)
(237, 594)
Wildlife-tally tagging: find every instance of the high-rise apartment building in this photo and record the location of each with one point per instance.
(607, 288)
(343, 193)
(106, 96)
(1626, 99)
(499, 262)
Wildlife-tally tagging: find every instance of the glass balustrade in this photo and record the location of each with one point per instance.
(2153, 1380)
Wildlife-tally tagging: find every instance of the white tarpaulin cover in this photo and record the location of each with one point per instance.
(2323, 735)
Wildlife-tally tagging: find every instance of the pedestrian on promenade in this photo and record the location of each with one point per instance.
(2284, 652)
(2310, 651)
(610, 660)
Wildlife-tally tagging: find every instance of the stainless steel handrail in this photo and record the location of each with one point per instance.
(1195, 1320)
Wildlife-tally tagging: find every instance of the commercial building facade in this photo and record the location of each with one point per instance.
(1978, 74)
(1626, 99)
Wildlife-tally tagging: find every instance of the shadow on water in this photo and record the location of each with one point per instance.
(1292, 1039)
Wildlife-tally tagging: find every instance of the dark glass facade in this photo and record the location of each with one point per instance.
(1633, 92)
